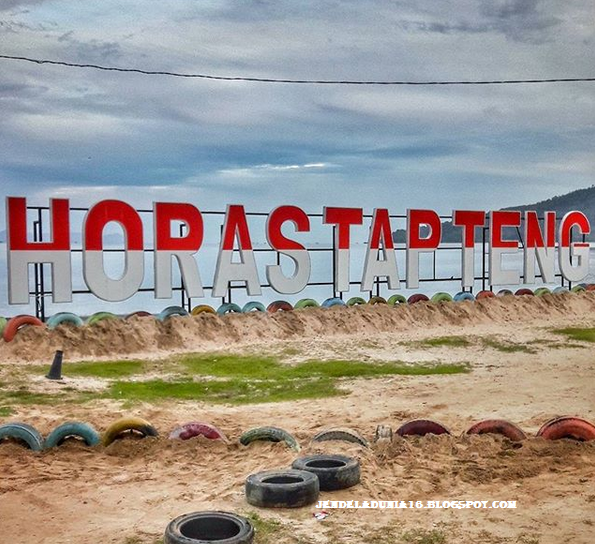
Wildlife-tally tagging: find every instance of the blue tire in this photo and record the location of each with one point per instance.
(229, 308)
(64, 317)
(21, 431)
(72, 429)
(560, 289)
(171, 311)
(330, 302)
(253, 306)
(459, 297)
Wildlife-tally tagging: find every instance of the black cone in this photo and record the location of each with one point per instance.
(55, 372)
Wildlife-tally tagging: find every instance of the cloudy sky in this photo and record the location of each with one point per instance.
(89, 134)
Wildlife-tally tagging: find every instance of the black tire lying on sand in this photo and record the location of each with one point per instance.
(282, 488)
(333, 471)
(210, 526)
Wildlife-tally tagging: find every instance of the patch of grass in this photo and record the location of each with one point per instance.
(269, 368)
(233, 391)
(6, 411)
(506, 347)
(421, 536)
(443, 341)
(264, 527)
(578, 334)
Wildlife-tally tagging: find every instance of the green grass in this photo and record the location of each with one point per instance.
(6, 411)
(578, 334)
(269, 368)
(219, 378)
(233, 391)
(442, 341)
(107, 369)
(506, 347)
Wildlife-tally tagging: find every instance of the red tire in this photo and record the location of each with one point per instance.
(417, 297)
(196, 428)
(498, 426)
(590, 287)
(17, 323)
(140, 313)
(567, 427)
(522, 292)
(484, 294)
(279, 305)
(421, 427)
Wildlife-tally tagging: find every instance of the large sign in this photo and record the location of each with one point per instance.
(539, 247)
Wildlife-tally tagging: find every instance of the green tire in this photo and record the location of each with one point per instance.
(100, 316)
(395, 300)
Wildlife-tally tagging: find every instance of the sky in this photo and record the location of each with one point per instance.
(89, 135)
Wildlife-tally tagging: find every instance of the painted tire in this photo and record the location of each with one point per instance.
(463, 295)
(421, 427)
(540, 291)
(128, 424)
(441, 297)
(269, 434)
(417, 297)
(395, 300)
(229, 308)
(306, 303)
(355, 301)
(172, 311)
(279, 305)
(504, 293)
(330, 302)
(209, 526)
(139, 313)
(282, 488)
(16, 323)
(590, 287)
(100, 316)
(196, 428)
(3, 322)
(383, 432)
(203, 309)
(578, 288)
(484, 294)
(23, 432)
(253, 306)
(559, 290)
(523, 292)
(334, 472)
(498, 426)
(567, 427)
(72, 429)
(376, 300)
(64, 317)
(345, 435)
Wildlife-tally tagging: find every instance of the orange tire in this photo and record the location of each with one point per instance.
(567, 427)
(18, 322)
(498, 426)
(484, 294)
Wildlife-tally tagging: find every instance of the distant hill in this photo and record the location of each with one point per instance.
(582, 200)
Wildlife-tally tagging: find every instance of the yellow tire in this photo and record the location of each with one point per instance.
(202, 309)
(127, 424)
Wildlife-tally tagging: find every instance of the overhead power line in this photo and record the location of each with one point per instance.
(298, 81)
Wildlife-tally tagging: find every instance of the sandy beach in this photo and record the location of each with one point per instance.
(127, 492)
